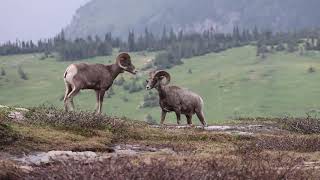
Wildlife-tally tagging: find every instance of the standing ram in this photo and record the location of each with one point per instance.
(174, 98)
(98, 77)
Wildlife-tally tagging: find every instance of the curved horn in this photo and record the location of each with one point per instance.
(121, 57)
(163, 73)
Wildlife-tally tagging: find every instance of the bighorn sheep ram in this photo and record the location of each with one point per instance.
(98, 77)
(173, 98)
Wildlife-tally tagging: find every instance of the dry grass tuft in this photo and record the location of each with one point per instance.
(7, 135)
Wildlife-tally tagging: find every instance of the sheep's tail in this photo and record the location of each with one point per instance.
(200, 106)
(200, 113)
(201, 102)
(65, 74)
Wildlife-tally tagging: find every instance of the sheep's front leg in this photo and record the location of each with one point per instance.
(163, 116)
(101, 96)
(178, 114)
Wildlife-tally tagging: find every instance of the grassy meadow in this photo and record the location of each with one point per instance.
(233, 83)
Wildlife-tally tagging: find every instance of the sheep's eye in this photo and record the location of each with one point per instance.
(147, 81)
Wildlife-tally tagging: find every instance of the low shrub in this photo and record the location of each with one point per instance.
(7, 134)
(82, 122)
(125, 99)
(167, 60)
(22, 74)
(311, 69)
(280, 47)
(306, 125)
(110, 93)
(133, 86)
(147, 66)
(149, 120)
(3, 72)
(119, 81)
(296, 143)
(150, 99)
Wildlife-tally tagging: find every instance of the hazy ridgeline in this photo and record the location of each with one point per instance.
(99, 16)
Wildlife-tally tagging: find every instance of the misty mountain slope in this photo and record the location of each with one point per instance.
(118, 16)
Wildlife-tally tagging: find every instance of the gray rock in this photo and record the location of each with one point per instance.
(22, 109)
(15, 115)
(51, 156)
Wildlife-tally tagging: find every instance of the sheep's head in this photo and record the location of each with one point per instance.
(124, 62)
(156, 77)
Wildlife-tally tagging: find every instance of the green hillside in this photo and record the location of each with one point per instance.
(232, 83)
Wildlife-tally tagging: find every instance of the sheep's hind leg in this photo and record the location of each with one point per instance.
(178, 117)
(201, 118)
(189, 119)
(65, 99)
(98, 100)
(71, 95)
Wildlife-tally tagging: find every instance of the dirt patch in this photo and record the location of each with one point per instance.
(136, 149)
(250, 129)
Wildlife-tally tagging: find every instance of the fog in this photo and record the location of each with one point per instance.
(35, 19)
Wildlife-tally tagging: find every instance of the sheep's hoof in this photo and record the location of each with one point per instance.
(191, 125)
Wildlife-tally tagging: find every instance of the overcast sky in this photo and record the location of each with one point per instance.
(35, 19)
